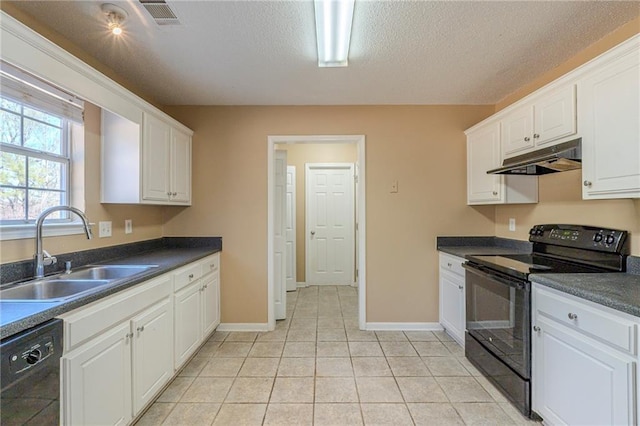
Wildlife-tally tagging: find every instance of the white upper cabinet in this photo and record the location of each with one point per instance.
(542, 121)
(145, 163)
(483, 153)
(609, 114)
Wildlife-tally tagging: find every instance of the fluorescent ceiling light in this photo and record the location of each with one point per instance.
(333, 31)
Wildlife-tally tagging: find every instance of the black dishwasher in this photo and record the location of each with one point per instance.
(30, 376)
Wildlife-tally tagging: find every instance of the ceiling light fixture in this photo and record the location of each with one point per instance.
(115, 17)
(333, 31)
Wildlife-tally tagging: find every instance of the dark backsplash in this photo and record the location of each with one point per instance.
(10, 272)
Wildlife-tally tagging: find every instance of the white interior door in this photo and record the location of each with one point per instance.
(290, 230)
(279, 246)
(330, 223)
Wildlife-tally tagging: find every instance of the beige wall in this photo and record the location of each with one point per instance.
(560, 198)
(423, 147)
(147, 220)
(298, 155)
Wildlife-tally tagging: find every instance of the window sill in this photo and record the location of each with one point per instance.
(19, 232)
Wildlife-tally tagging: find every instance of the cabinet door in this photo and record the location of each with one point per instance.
(555, 116)
(156, 141)
(578, 381)
(210, 304)
(517, 131)
(610, 122)
(187, 322)
(97, 380)
(152, 352)
(452, 306)
(483, 153)
(180, 167)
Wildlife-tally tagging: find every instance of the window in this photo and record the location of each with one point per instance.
(39, 126)
(34, 162)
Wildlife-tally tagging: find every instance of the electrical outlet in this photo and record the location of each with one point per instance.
(104, 229)
(512, 224)
(394, 187)
(128, 226)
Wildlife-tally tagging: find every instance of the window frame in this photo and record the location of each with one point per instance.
(68, 224)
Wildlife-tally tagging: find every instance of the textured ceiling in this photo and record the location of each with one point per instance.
(402, 52)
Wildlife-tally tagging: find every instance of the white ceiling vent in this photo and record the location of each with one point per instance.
(160, 12)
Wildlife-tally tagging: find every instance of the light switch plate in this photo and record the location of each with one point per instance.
(104, 229)
(128, 226)
(512, 224)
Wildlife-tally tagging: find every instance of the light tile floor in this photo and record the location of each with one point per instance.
(317, 368)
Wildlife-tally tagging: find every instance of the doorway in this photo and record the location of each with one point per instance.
(360, 223)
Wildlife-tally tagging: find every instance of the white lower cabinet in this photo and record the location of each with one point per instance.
(197, 306)
(152, 355)
(97, 380)
(452, 296)
(584, 361)
(119, 351)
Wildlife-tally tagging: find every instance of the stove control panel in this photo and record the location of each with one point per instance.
(577, 236)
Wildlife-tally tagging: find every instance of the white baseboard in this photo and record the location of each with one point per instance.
(243, 326)
(403, 326)
(301, 284)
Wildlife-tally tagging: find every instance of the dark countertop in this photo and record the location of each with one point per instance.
(620, 291)
(19, 316)
(463, 246)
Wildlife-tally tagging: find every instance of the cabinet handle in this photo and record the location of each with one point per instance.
(536, 136)
(190, 276)
(527, 139)
(140, 329)
(572, 316)
(449, 264)
(587, 183)
(169, 194)
(205, 286)
(174, 194)
(460, 287)
(127, 337)
(536, 328)
(495, 192)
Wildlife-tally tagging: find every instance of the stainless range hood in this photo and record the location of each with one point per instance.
(557, 158)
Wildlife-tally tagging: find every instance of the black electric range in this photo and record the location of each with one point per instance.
(498, 298)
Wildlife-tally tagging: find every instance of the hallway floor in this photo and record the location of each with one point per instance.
(317, 368)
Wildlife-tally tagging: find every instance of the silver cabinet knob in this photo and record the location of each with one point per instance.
(536, 136)
(174, 194)
(527, 139)
(190, 276)
(140, 329)
(536, 328)
(169, 194)
(587, 183)
(572, 316)
(313, 232)
(460, 287)
(449, 265)
(495, 192)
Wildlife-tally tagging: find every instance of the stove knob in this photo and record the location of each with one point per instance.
(597, 238)
(610, 239)
(33, 356)
(533, 231)
(540, 232)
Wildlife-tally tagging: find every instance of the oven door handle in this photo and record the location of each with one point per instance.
(479, 270)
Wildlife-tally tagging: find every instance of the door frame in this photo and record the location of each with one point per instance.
(359, 140)
(341, 166)
(292, 170)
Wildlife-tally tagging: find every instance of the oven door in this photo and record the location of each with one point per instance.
(499, 316)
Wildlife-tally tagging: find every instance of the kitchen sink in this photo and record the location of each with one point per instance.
(49, 289)
(65, 286)
(107, 272)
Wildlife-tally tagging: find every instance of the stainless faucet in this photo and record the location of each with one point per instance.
(42, 257)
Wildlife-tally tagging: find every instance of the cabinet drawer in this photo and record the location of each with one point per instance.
(452, 263)
(186, 275)
(210, 264)
(596, 322)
